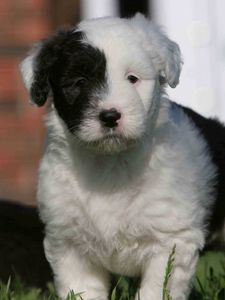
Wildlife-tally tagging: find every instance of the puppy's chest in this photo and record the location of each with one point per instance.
(113, 234)
(109, 218)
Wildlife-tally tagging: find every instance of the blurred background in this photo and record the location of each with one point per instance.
(197, 26)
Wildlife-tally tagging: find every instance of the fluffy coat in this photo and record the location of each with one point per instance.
(117, 198)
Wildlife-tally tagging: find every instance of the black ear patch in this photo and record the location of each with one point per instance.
(44, 61)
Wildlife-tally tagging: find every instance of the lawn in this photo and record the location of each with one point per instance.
(209, 284)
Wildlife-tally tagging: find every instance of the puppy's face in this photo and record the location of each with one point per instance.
(103, 79)
(103, 92)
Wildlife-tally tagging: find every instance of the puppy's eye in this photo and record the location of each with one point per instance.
(73, 89)
(132, 78)
(80, 81)
(76, 83)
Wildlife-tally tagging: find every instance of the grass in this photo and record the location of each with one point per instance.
(209, 284)
(210, 277)
(169, 268)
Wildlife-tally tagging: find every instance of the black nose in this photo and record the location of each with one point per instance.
(109, 117)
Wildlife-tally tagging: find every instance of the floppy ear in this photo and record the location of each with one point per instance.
(165, 54)
(36, 67)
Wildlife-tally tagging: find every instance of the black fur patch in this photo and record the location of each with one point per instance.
(44, 61)
(73, 70)
(214, 133)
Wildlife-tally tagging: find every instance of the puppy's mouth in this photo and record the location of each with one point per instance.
(110, 143)
(102, 139)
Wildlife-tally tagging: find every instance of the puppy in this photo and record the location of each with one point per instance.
(127, 173)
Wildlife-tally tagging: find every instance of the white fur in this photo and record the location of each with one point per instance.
(122, 212)
(27, 69)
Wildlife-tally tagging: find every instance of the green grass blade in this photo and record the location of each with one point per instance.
(168, 272)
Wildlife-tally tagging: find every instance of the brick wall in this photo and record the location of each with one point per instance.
(22, 22)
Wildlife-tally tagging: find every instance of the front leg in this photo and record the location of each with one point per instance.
(186, 257)
(75, 272)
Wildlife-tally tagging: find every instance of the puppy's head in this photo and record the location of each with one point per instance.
(103, 76)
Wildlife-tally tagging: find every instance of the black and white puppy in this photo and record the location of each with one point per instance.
(127, 173)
